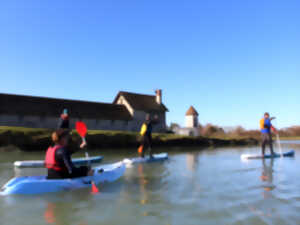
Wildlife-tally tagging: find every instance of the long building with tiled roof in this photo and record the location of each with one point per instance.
(127, 112)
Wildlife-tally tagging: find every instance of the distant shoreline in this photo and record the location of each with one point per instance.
(38, 139)
(296, 138)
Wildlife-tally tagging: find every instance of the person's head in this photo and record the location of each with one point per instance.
(266, 115)
(61, 137)
(65, 112)
(147, 117)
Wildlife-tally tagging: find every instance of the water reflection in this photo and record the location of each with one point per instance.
(143, 185)
(267, 171)
(55, 215)
(49, 215)
(192, 161)
(60, 212)
(267, 176)
(267, 179)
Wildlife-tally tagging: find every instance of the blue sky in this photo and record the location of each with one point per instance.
(232, 60)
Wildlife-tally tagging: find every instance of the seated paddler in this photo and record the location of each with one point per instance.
(58, 158)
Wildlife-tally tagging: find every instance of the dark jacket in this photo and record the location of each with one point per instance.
(63, 122)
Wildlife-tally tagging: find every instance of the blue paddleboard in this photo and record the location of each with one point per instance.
(290, 153)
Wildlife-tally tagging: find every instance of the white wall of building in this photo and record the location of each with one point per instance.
(191, 121)
(194, 132)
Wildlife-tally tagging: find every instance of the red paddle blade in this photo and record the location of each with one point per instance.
(94, 188)
(81, 128)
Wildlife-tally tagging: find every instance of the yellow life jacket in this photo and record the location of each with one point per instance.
(262, 123)
(143, 129)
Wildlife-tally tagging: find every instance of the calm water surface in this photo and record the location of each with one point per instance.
(210, 186)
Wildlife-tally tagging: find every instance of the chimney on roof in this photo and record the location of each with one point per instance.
(158, 96)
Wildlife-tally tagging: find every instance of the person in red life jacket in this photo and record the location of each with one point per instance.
(266, 129)
(58, 158)
(64, 120)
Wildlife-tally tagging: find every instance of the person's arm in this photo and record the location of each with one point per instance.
(63, 158)
(60, 123)
(273, 129)
(73, 146)
(68, 163)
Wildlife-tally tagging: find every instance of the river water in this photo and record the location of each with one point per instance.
(211, 186)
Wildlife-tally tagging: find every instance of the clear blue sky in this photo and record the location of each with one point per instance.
(232, 60)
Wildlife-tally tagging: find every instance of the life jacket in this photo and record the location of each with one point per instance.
(265, 125)
(50, 162)
(146, 129)
(262, 123)
(143, 129)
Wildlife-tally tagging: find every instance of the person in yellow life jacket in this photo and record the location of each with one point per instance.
(58, 158)
(146, 134)
(266, 129)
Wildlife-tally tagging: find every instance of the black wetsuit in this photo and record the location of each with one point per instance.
(63, 123)
(63, 158)
(147, 138)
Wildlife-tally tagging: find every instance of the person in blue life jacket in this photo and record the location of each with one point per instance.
(64, 120)
(146, 134)
(266, 129)
(58, 158)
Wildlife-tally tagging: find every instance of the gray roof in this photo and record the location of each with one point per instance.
(42, 106)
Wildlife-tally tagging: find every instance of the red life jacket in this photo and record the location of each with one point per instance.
(50, 162)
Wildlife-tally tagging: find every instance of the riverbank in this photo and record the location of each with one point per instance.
(290, 138)
(37, 139)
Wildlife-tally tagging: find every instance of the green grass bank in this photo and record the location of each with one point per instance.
(37, 139)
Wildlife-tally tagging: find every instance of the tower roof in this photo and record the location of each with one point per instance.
(191, 112)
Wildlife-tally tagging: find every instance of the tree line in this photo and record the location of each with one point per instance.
(211, 130)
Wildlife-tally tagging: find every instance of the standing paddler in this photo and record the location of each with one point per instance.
(64, 120)
(146, 133)
(266, 129)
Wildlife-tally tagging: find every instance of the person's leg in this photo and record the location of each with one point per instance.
(144, 143)
(81, 171)
(263, 144)
(53, 174)
(271, 144)
(147, 144)
(150, 147)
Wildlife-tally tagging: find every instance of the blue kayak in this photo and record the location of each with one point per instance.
(40, 163)
(147, 159)
(30, 185)
(290, 153)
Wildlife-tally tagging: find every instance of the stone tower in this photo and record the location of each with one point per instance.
(191, 118)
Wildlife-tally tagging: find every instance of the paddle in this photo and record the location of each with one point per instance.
(277, 137)
(82, 130)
